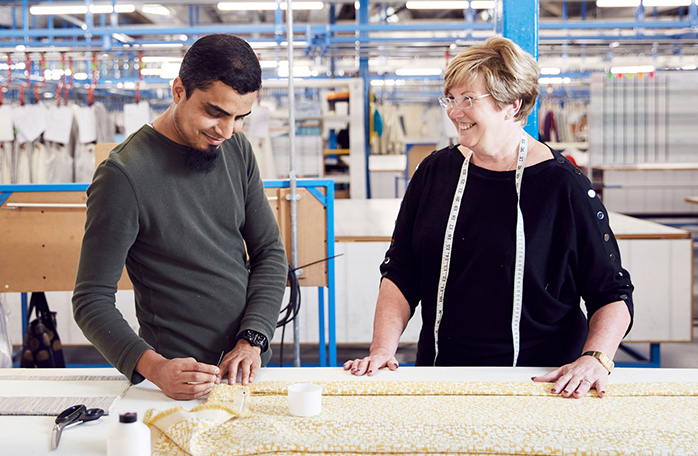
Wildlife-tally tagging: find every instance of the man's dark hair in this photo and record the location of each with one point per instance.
(221, 57)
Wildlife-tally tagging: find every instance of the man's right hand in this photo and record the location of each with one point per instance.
(180, 378)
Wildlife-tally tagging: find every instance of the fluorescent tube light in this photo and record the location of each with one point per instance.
(632, 69)
(107, 9)
(437, 5)
(247, 6)
(160, 45)
(271, 44)
(418, 72)
(40, 10)
(383, 82)
(268, 6)
(549, 80)
(304, 5)
(155, 9)
(617, 3)
(482, 4)
(269, 64)
(650, 3)
(160, 59)
(549, 71)
(64, 9)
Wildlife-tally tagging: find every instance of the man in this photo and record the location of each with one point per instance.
(181, 204)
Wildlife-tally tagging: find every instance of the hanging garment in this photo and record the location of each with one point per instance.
(5, 163)
(60, 164)
(84, 162)
(39, 163)
(24, 163)
(105, 125)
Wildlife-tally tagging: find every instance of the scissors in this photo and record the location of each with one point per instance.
(72, 416)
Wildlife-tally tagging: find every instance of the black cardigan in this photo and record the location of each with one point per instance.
(570, 252)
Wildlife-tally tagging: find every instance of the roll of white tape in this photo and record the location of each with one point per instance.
(304, 399)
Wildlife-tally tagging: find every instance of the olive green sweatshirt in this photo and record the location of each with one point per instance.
(182, 236)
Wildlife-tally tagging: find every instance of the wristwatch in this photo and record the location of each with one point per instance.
(255, 339)
(605, 361)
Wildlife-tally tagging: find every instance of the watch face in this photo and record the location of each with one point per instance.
(255, 339)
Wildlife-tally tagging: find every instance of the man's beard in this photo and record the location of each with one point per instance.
(202, 160)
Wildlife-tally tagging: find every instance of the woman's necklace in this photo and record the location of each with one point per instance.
(512, 163)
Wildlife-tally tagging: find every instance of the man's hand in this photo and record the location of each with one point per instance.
(180, 378)
(243, 357)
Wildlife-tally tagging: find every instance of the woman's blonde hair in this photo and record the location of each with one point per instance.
(510, 73)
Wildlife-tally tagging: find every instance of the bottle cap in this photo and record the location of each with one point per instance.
(128, 417)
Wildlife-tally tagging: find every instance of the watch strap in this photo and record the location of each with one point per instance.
(605, 361)
(255, 338)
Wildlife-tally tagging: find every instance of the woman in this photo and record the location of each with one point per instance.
(500, 276)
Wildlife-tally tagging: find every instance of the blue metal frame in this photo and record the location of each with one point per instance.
(654, 360)
(327, 354)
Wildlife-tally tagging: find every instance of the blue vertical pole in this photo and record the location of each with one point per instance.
(89, 21)
(518, 21)
(24, 314)
(362, 19)
(331, 323)
(25, 20)
(322, 353)
(332, 20)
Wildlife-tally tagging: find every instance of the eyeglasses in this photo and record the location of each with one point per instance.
(465, 102)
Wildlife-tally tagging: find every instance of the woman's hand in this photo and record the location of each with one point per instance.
(577, 378)
(370, 364)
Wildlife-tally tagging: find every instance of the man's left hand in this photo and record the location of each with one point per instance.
(245, 358)
(577, 378)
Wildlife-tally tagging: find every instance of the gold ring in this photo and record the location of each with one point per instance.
(587, 380)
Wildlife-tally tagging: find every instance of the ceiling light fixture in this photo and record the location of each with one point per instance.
(651, 3)
(437, 5)
(156, 9)
(153, 58)
(549, 71)
(632, 69)
(268, 6)
(42, 10)
(162, 45)
(617, 3)
(247, 6)
(482, 4)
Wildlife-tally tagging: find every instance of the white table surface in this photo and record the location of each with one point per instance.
(374, 220)
(29, 435)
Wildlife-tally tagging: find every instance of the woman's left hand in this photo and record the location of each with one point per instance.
(577, 378)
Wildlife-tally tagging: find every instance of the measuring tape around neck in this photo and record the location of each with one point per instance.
(520, 250)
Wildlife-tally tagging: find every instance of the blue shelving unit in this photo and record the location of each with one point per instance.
(326, 311)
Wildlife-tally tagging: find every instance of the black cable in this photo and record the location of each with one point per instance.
(289, 313)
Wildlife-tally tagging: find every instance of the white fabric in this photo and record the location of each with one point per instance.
(39, 164)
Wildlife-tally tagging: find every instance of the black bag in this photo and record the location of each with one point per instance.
(41, 346)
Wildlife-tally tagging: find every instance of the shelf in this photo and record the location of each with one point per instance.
(336, 151)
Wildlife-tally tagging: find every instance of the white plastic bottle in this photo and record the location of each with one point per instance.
(128, 437)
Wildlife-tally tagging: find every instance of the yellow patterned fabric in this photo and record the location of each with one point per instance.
(411, 418)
